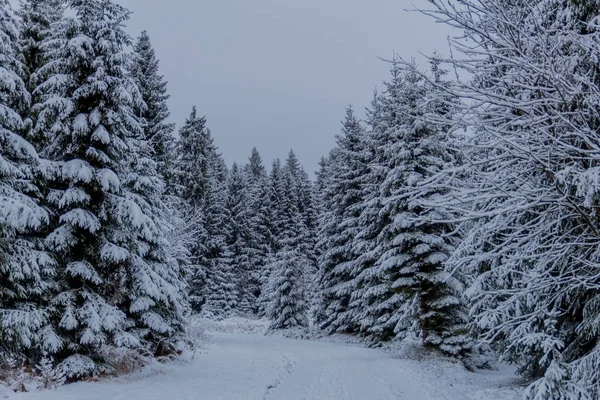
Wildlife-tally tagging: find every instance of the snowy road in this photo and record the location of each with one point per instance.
(254, 367)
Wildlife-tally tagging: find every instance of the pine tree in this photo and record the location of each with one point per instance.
(157, 289)
(415, 244)
(370, 285)
(255, 170)
(338, 226)
(220, 293)
(153, 89)
(528, 190)
(194, 151)
(292, 165)
(308, 214)
(38, 17)
(195, 155)
(374, 303)
(270, 217)
(287, 303)
(260, 225)
(26, 271)
(276, 191)
(117, 285)
(240, 241)
(287, 308)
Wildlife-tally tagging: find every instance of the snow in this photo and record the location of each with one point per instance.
(236, 361)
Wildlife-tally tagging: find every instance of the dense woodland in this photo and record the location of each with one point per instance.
(463, 211)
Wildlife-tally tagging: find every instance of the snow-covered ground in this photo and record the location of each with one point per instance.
(238, 362)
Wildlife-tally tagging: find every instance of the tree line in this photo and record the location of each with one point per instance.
(464, 210)
(114, 227)
(461, 211)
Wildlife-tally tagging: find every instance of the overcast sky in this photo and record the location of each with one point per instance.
(278, 74)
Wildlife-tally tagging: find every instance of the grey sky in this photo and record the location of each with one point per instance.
(278, 74)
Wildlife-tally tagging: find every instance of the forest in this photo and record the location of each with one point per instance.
(463, 211)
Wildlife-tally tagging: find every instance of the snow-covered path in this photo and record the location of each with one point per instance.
(238, 366)
(310, 370)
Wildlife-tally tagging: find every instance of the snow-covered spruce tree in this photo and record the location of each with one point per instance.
(276, 193)
(240, 241)
(188, 178)
(153, 88)
(26, 270)
(257, 192)
(287, 303)
(416, 241)
(255, 170)
(321, 184)
(220, 297)
(117, 286)
(156, 289)
(272, 215)
(38, 17)
(339, 225)
(260, 223)
(533, 185)
(369, 283)
(292, 164)
(184, 224)
(194, 151)
(265, 240)
(307, 209)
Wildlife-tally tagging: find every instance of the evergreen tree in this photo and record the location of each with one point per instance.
(415, 243)
(190, 174)
(255, 170)
(239, 241)
(287, 303)
(153, 89)
(308, 215)
(271, 216)
(375, 303)
(38, 18)
(370, 284)
(292, 165)
(26, 271)
(220, 291)
(528, 190)
(215, 260)
(157, 289)
(218, 296)
(117, 286)
(338, 227)
(194, 151)
(260, 225)
(287, 308)
(276, 193)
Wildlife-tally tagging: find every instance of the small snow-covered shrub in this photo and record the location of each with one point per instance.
(16, 376)
(20, 381)
(49, 377)
(77, 366)
(121, 361)
(231, 325)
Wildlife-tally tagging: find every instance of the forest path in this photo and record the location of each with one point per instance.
(250, 366)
